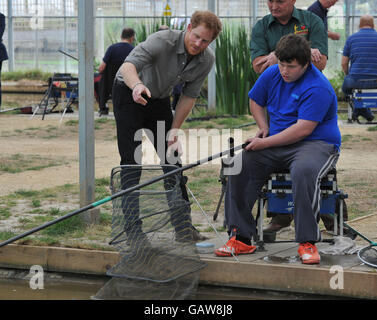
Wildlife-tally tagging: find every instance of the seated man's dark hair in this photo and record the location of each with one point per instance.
(293, 47)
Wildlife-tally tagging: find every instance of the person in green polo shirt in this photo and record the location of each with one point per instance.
(285, 19)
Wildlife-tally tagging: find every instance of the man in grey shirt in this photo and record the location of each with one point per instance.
(144, 83)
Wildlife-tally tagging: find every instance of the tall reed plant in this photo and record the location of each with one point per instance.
(234, 72)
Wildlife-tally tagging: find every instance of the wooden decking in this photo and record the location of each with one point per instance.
(277, 268)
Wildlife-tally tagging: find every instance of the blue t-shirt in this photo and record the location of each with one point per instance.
(361, 49)
(311, 97)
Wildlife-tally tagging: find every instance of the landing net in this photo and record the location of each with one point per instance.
(152, 230)
(368, 255)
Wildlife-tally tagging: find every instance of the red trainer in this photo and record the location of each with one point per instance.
(236, 247)
(308, 253)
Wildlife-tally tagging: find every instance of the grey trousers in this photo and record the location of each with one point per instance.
(308, 162)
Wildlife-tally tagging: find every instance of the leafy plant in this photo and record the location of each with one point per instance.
(234, 72)
(337, 83)
(33, 74)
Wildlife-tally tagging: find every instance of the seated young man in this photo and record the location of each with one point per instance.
(302, 135)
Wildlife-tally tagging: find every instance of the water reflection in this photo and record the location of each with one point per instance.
(19, 289)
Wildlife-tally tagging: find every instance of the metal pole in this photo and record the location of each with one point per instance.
(86, 101)
(65, 34)
(255, 11)
(212, 73)
(36, 52)
(100, 22)
(124, 12)
(347, 17)
(10, 37)
(352, 13)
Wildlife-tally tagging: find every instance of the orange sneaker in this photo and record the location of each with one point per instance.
(234, 247)
(308, 253)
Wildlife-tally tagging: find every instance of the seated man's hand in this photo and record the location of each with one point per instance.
(256, 144)
(262, 133)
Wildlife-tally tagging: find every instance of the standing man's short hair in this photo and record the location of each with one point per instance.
(209, 19)
(128, 33)
(293, 47)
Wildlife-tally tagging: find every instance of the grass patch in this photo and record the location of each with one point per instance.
(19, 163)
(34, 208)
(71, 123)
(45, 241)
(64, 227)
(205, 185)
(374, 128)
(35, 203)
(33, 74)
(26, 193)
(346, 138)
(4, 213)
(5, 235)
(217, 122)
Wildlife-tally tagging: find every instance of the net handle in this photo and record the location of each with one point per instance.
(361, 235)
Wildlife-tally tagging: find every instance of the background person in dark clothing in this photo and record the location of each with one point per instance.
(3, 50)
(113, 59)
(321, 8)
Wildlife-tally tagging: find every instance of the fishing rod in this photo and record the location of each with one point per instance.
(68, 55)
(359, 234)
(13, 109)
(123, 192)
(72, 57)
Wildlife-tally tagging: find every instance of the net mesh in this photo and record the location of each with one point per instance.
(152, 230)
(368, 255)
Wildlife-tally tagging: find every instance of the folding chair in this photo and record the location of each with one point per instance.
(361, 98)
(276, 196)
(66, 93)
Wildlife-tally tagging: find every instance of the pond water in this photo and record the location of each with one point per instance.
(84, 288)
(19, 289)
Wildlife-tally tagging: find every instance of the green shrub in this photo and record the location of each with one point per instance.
(337, 83)
(33, 74)
(234, 72)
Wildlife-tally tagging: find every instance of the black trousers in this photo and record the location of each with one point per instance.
(1, 66)
(130, 119)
